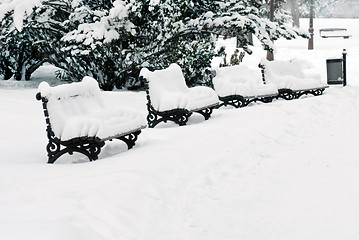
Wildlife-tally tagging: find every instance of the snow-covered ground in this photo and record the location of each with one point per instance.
(284, 170)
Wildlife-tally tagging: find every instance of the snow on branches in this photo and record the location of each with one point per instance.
(20, 9)
(95, 25)
(111, 40)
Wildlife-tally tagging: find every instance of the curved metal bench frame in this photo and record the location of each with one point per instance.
(238, 101)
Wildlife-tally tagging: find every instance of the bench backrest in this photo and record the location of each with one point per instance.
(167, 87)
(69, 100)
(237, 74)
(169, 79)
(237, 80)
(294, 74)
(284, 68)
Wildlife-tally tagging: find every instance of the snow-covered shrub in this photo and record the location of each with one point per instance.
(236, 59)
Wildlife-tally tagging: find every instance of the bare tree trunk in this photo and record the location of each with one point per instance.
(270, 55)
(295, 11)
(311, 30)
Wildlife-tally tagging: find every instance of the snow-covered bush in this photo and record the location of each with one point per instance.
(235, 59)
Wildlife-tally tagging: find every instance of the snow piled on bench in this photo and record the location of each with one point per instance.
(295, 74)
(168, 90)
(241, 80)
(77, 110)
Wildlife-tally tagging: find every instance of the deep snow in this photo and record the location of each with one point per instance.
(284, 170)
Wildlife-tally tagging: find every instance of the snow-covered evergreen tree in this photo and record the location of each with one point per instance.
(185, 32)
(29, 28)
(112, 40)
(167, 32)
(240, 17)
(283, 19)
(96, 43)
(293, 6)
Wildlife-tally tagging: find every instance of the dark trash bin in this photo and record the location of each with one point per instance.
(336, 70)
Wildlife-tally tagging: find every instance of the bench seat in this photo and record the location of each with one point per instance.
(102, 124)
(334, 32)
(293, 78)
(239, 86)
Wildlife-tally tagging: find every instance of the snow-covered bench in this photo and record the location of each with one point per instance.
(169, 98)
(293, 78)
(334, 32)
(77, 120)
(239, 85)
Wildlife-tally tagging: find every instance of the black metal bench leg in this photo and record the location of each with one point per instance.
(236, 101)
(266, 99)
(130, 139)
(56, 148)
(317, 92)
(178, 116)
(314, 92)
(287, 94)
(206, 113)
(92, 155)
